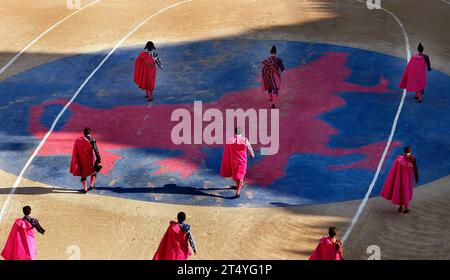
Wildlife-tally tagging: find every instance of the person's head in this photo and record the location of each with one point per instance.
(332, 231)
(181, 217)
(420, 48)
(407, 150)
(237, 131)
(273, 50)
(150, 46)
(26, 210)
(87, 131)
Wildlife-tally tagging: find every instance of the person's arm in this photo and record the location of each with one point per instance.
(280, 64)
(157, 60)
(187, 228)
(427, 60)
(249, 147)
(416, 170)
(96, 152)
(35, 224)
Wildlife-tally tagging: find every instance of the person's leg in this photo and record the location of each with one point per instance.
(83, 182)
(239, 184)
(93, 177)
(419, 96)
(150, 95)
(274, 99)
(406, 210)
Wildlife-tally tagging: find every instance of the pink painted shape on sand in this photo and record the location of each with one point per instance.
(307, 92)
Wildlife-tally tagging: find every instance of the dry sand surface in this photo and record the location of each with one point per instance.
(112, 228)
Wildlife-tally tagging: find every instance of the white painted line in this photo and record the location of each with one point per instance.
(446, 1)
(43, 34)
(391, 136)
(36, 151)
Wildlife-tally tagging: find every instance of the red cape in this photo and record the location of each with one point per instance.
(82, 163)
(415, 78)
(21, 244)
(399, 182)
(145, 71)
(234, 159)
(174, 245)
(326, 251)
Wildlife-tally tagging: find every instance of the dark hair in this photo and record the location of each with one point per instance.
(150, 46)
(407, 149)
(26, 210)
(237, 130)
(87, 131)
(420, 47)
(273, 50)
(181, 217)
(332, 231)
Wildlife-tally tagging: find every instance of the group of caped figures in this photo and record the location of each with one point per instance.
(178, 242)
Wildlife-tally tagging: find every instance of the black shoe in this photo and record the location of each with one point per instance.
(91, 188)
(273, 106)
(238, 195)
(415, 97)
(84, 191)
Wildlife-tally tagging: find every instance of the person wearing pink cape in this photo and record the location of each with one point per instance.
(145, 70)
(329, 248)
(21, 243)
(398, 187)
(271, 75)
(177, 242)
(234, 159)
(414, 78)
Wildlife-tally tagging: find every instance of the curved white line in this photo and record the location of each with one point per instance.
(391, 136)
(43, 34)
(446, 1)
(36, 151)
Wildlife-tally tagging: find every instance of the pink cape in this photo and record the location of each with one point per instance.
(414, 78)
(234, 159)
(145, 71)
(270, 76)
(326, 250)
(21, 244)
(82, 163)
(174, 245)
(398, 186)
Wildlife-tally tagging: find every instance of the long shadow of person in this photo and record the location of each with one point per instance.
(171, 189)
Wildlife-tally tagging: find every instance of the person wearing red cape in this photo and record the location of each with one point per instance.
(178, 242)
(145, 70)
(271, 75)
(82, 163)
(329, 248)
(414, 78)
(234, 159)
(398, 187)
(21, 243)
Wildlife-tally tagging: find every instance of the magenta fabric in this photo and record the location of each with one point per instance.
(326, 250)
(414, 78)
(234, 159)
(398, 186)
(174, 245)
(21, 243)
(82, 163)
(145, 71)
